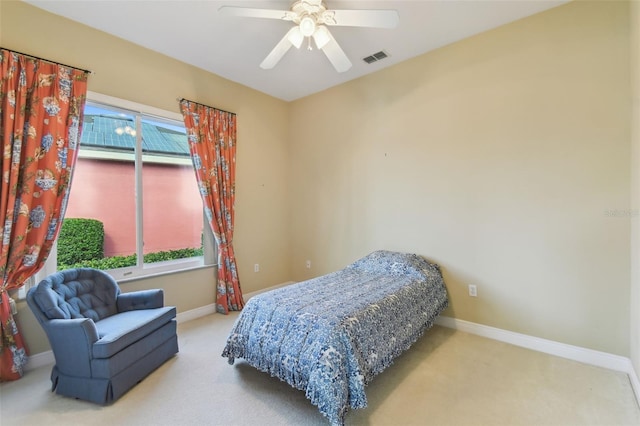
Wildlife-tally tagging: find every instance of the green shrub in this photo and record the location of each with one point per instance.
(124, 261)
(162, 256)
(80, 240)
(106, 263)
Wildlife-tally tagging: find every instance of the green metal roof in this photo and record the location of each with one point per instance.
(99, 131)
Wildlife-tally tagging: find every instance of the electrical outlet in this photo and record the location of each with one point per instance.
(308, 264)
(256, 267)
(473, 290)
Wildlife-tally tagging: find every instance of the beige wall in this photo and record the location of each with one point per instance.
(503, 157)
(127, 71)
(635, 184)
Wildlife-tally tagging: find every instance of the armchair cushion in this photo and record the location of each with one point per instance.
(119, 331)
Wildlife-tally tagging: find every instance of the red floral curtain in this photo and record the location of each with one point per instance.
(212, 143)
(41, 108)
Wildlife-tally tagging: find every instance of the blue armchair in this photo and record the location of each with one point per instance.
(104, 341)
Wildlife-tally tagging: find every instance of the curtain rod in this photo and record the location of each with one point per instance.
(47, 60)
(198, 103)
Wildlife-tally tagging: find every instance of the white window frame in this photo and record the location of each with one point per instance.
(142, 270)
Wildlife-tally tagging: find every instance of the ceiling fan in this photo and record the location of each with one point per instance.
(311, 18)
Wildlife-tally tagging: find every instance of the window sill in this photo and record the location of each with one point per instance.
(157, 273)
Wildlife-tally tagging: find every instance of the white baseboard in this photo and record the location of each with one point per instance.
(635, 383)
(575, 353)
(196, 313)
(39, 360)
(248, 296)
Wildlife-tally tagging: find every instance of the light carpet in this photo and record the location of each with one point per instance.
(447, 378)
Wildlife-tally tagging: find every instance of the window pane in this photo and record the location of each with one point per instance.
(172, 207)
(103, 189)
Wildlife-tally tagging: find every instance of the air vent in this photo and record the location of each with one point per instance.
(375, 57)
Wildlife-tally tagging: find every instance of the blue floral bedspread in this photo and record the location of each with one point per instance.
(330, 335)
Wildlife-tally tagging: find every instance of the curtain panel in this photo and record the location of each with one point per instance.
(41, 111)
(212, 142)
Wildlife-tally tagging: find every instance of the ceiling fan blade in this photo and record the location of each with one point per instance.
(248, 12)
(336, 55)
(321, 36)
(362, 18)
(278, 52)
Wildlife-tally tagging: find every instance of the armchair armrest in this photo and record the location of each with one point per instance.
(144, 299)
(71, 340)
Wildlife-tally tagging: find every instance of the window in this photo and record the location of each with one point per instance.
(134, 178)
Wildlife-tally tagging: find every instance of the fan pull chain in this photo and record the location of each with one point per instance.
(309, 44)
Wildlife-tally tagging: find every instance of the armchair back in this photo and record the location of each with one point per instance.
(77, 293)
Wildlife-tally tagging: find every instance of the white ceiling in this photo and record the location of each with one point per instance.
(192, 31)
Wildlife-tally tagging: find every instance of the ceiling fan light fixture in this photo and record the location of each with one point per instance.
(307, 26)
(310, 19)
(321, 36)
(295, 37)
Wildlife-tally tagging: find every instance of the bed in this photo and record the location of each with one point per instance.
(329, 336)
